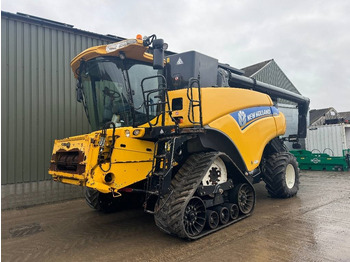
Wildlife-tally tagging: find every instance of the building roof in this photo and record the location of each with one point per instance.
(270, 73)
(345, 115)
(63, 26)
(316, 114)
(251, 70)
(340, 117)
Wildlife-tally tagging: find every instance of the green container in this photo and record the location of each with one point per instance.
(321, 161)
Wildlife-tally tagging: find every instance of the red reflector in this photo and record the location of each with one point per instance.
(126, 189)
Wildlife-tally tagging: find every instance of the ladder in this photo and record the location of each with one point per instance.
(194, 83)
(159, 179)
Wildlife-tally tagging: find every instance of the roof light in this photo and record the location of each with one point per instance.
(139, 37)
(115, 46)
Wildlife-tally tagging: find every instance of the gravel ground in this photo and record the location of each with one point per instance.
(313, 226)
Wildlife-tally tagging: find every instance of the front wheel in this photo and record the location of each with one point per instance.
(281, 175)
(108, 203)
(102, 202)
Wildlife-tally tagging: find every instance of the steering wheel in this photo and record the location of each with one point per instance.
(111, 93)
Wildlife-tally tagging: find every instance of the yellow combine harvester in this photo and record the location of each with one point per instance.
(183, 133)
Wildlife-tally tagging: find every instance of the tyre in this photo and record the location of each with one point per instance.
(103, 202)
(281, 175)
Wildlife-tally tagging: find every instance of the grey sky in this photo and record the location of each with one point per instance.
(309, 40)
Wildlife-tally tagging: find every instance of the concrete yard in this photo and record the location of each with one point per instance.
(313, 226)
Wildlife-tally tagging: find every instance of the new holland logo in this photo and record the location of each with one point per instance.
(242, 118)
(179, 61)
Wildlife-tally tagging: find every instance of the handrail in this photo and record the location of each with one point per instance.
(194, 103)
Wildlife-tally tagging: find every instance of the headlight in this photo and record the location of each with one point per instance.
(136, 132)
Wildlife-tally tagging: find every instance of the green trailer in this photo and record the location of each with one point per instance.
(322, 161)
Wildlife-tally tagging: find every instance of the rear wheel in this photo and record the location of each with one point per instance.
(281, 175)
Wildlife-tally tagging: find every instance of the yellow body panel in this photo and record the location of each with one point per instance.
(219, 103)
(251, 141)
(131, 160)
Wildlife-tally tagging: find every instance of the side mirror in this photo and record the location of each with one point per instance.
(158, 53)
(79, 95)
(79, 91)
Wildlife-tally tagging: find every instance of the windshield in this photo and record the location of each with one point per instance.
(112, 91)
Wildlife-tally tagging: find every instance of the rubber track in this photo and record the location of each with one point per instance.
(274, 176)
(169, 218)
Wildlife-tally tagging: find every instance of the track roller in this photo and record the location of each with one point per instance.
(212, 219)
(244, 196)
(224, 214)
(234, 211)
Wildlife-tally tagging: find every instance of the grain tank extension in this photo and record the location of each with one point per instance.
(182, 134)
